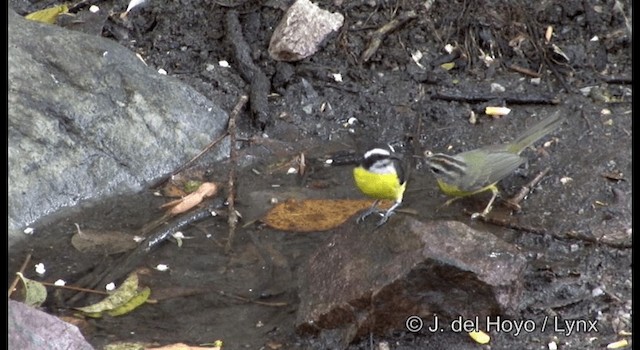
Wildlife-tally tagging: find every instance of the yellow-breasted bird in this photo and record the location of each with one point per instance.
(380, 175)
(479, 170)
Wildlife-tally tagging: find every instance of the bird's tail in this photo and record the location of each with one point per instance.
(536, 132)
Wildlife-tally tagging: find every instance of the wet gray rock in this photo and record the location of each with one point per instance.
(30, 328)
(301, 31)
(365, 280)
(88, 119)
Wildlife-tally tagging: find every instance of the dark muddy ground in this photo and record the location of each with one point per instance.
(574, 273)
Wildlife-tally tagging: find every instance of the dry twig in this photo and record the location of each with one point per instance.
(233, 163)
(514, 202)
(17, 279)
(382, 32)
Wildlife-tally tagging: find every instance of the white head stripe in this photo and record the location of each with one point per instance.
(379, 151)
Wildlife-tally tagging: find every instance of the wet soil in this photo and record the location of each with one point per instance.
(248, 297)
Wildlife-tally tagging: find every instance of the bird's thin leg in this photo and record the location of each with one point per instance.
(371, 210)
(388, 213)
(487, 209)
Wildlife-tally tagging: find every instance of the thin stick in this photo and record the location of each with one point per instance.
(378, 36)
(508, 224)
(22, 268)
(185, 165)
(514, 202)
(247, 300)
(524, 70)
(79, 289)
(231, 130)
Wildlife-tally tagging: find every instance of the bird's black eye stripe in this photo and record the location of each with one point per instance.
(435, 170)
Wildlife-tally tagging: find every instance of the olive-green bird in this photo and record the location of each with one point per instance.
(479, 170)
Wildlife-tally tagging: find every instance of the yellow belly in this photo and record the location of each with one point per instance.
(378, 186)
(454, 191)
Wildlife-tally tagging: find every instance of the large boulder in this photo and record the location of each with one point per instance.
(87, 119)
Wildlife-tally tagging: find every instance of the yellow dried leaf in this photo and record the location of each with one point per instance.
(35, 292)
(497, 111)
(448, 65)
(310, 215)
(182, 346)
(618, 344)
(119, 297)
(139, 299)
(48, 15)
(480, 337)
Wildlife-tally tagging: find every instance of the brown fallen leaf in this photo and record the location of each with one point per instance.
(102, 241)
(310, 215)
(186, 203)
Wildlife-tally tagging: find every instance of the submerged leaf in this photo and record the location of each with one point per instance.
(124, 293)
(139, 299)
(311, 215)
(102, 242)
(35, 292)
(48, 15)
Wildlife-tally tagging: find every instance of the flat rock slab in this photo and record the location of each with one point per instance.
(366, 280)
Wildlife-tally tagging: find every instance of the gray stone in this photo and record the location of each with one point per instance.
(89, 119)
(301, 31)
(364, 281)
(30, 328)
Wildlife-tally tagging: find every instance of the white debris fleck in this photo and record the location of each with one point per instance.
(224, 64)
(29, 231)
(595, 38)
(94, 9)
(449, 48)
(40, 270)
(597, 291)
(495, 87)
(416, 57)
(337, 77)
(162, 71)
(328, 161)
(536, 81)
(138, 239)
(352, 120)
(552, 346)
(210, 67)
(565, 180)
(109, 287)
(259, 324)
(178, 234)
(59, 283)
(292, 170)
(162, 267)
